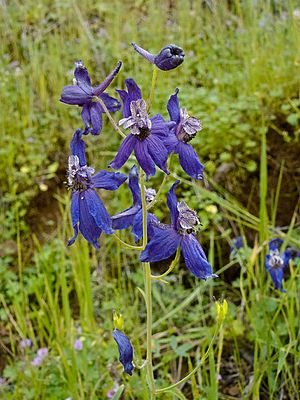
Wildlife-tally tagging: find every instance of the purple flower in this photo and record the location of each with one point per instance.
(24, 343)
(147, 135)
(133, 216)
(185, 129)
(275, 263)
(85, 95)
(41, 354)
(87, 209)
(167, 238)
(125, 350)
(78, 345)
(170, 57)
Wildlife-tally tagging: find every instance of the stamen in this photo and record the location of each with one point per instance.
(276, 261)
(187, 219)
(139, 122)
(150, 195)
(79, 178)
(188, 126)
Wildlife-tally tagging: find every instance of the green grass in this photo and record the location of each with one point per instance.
(240, 76)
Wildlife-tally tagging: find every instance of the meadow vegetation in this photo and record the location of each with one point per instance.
(241, 78)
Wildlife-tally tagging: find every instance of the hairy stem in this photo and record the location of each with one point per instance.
(113, 122)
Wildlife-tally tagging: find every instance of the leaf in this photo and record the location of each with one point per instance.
(118, 393)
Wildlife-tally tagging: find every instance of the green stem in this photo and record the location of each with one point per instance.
(113, 122)
(170, 269)
(127, 245)
(204, 357)
(153, 85)
(151, 204)
(148, 296)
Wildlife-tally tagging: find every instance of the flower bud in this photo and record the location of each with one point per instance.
(222, 309)
(168, 58)
(118, 320)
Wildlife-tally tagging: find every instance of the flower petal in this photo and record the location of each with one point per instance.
(98, 211)
(143, 157)
(107, 81)
(125, 218)
(108, 180)
(134, 93)
(189, 160)
(74, 95)
(275, 244)
(111, 103)
(74, 215)
(162, 245)
(86, 117)
(124, 152)
(137, 225)
(125, 350)
(172, 204)
(171, 142)
(77, 147)
(87, 225)
(134, 185)
(195, 257)
(82, 77)
(159, 126)
(96, 118)
(158, 152)
(173, 107)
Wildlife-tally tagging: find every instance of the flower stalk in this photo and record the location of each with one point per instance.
(148, 291)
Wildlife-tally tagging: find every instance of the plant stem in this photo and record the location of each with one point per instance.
(153, 84)
(113, 122)
(127, 245)
(171, 267)
(204, 357)
(148, 294)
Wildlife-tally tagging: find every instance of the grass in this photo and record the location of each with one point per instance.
(240, 76)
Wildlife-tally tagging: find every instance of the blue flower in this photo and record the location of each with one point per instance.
(147, 135)
(125, 350)
(166, 239)
(87, 209)
(170, 57)
(85, 95)
(133, 216)
(237, 243)
(185, 129)
(275, 263)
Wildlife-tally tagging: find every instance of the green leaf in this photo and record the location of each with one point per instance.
(118, 393)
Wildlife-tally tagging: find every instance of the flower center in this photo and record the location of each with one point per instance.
(188, 126)
(79, 178)
(139, 121)
(150, 195)
(187, 218)
(275, 261)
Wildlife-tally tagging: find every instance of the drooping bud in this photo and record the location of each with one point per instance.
(170, 57)
(125, 350)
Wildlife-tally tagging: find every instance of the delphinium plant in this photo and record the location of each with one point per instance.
(152, 140)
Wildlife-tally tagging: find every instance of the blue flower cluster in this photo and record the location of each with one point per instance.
(152, 139)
